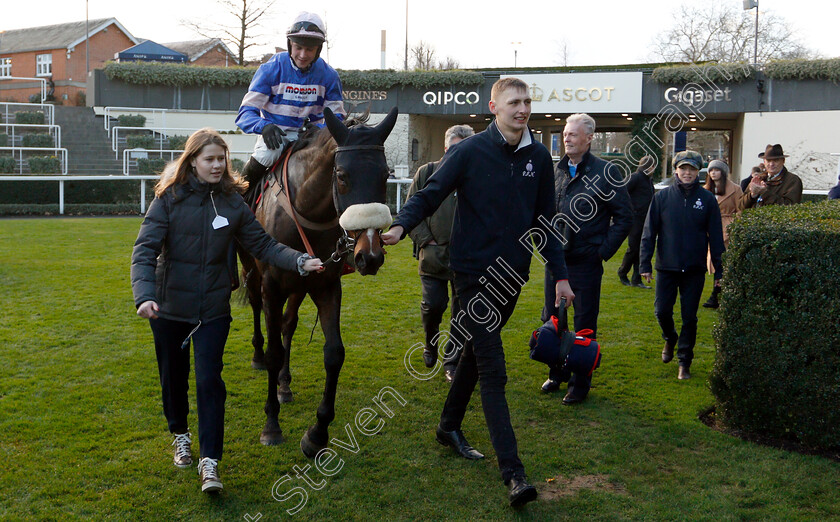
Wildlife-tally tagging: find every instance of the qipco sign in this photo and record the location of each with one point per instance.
(446, 98)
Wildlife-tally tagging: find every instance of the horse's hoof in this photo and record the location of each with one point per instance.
(271, 438)
(284, 393)
(257, 365)
(309, 448)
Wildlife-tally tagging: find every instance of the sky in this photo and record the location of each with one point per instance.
(476, 34)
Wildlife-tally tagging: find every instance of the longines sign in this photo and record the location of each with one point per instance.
(617, 92)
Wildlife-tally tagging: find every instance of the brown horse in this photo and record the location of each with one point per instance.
(337, 184)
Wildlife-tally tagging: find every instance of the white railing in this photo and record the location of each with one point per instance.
(160, 134)
(6, 114)
(61, 152)
(131, 156)
(134, 110)
(52, 130)
(142, 178)
(42, 80)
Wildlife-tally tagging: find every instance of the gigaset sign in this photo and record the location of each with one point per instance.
(446, 97)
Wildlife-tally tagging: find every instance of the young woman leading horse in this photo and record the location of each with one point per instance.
(182, 283)
(327, 198)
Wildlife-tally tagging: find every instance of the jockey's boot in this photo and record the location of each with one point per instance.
(253, 171)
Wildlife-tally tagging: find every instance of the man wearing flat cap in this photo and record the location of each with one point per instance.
(683, 223)
(781, 187)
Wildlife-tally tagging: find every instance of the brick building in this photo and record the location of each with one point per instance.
(208, 52)
(57, 52)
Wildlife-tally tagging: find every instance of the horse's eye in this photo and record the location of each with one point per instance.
(341, 176)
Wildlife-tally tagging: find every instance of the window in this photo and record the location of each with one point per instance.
(5, 67)
(43, 64)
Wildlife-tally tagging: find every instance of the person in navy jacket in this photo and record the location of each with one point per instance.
(684, 224)
(505, 196)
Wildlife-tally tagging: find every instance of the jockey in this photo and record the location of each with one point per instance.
(289, 90)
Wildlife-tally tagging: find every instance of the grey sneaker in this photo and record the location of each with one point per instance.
(209, 475)
(183, 451)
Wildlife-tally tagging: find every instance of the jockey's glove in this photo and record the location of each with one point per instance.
(273, 136)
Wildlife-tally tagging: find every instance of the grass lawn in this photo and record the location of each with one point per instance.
(82, 433)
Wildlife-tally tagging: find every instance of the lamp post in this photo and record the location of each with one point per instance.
(749, 4)
(514, 44)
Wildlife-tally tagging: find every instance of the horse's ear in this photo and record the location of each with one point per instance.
(387, 125)
(337, 128)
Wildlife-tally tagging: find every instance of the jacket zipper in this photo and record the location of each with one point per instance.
(202, 270)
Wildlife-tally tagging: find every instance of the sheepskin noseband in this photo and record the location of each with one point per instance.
(366, 215)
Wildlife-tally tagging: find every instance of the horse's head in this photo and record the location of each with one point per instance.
(359, 186)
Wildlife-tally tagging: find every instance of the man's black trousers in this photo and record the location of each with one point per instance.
(483, 361)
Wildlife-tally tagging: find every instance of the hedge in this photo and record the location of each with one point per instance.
(7, 164)
(70, 209)
(150, 165)
(29, 118)
(37, 140)
(131, 120)
(4, 140)
(778, 343)
(44, 165)
(140, 141)
(823, 69)
(177, 142)
(189, 75)
(237, 165)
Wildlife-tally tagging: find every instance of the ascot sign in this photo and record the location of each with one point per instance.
(618, 92)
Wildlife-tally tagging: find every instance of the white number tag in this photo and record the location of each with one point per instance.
(219, 222)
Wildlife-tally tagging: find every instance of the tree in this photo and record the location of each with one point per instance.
(240, 36)
(723, 32)
(423, 58)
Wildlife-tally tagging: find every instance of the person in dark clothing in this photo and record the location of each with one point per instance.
(594, 217)
(640, 188)
(834, 193)
(684, 225)
(505, 192)
(431, 243)
(180, 278)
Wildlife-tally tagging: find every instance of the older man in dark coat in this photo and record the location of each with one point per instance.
(781, 187)
(595, 216)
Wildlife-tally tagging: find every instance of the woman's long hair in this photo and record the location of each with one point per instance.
(178, 172)
(718, 189)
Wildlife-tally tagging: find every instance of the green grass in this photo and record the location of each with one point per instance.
(82, 434)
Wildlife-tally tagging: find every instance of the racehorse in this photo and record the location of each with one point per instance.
(336, 192)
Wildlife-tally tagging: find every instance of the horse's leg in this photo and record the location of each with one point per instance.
(274, 297)
(290, 321)
(328, 301)
(253, 283)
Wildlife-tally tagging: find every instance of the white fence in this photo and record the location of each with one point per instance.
(7, 111)
(42, 80)
(14, 136)
(143, 178)
(114, 112)
(60, 152)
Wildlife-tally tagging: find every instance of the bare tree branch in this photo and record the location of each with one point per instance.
(720, 31)
(240, 36)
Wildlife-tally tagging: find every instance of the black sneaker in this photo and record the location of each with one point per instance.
(208, 474)
(183, 451)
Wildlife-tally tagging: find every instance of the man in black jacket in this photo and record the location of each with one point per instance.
(431, 245)
(683, 224)
(594, 217)
(505, 193)
(640, 188)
